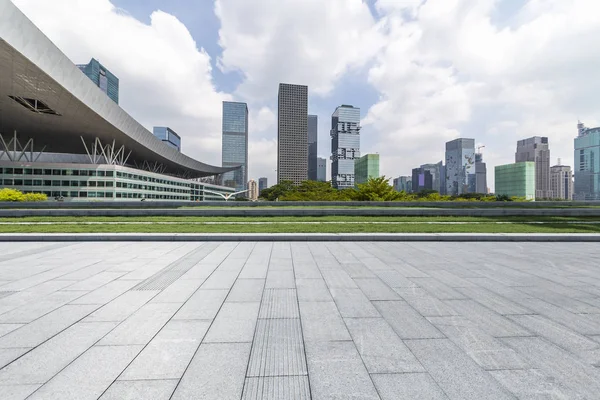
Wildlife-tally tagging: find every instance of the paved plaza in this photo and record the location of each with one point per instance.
(264, 320)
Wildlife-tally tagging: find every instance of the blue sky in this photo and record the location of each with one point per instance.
(422, 72)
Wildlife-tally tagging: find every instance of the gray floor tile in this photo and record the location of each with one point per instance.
(375, 289)
(276, 388)
(246, 290)
(533, 384)
(321, 321)
(579, 323)
(280, 280)
(204, 304)
(122, 307)
(494, 302)
(438, 289)
(138, 390)
(216, 372)
(279, 303)
(7, 356)
(456, 374)
(7, 328)
(37, 309)
(424, 303)
(107, 292)
(406, 322)
(407, 387)
(336, 371)
(338, 279)
(235, 322)
(380, 348)
(17, 392)
(312, 290)
(353, 303)
(491, 322)
(394, 279)
(178, 292)
(96, 281)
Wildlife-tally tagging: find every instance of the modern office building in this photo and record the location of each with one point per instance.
(60, 135)
(252, 190)
(292, 133)
(102, 78)
(421, 180)
(517, 179)
(321, 169)
(345, 145)
(535, 149)
(403, 184)
(366, 167)
(262, 184)
(561, 182)
(480, 174)
(438, 176)
(167, 136)
(460, 167)
(313, 136)
(587, 163)
(234, 148)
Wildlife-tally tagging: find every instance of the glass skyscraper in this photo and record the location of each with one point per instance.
(262, 184)
(366, 167)
(460, 167)
(345, 145)
(321, 169)
(168, 136)
(516, 179)
(312, 128)
(587, 164)
(102, 77)
(292, 133)
(235, 144)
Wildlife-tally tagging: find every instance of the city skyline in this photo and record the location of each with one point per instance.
(443, 88)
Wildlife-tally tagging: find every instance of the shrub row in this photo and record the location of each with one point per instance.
(7, 194)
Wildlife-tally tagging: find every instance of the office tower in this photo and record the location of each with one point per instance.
(460, 166)
(262, 184)
(535, 149)
(480, 174)
(102, 77)
(403, 184)
(366, 167)
(252, 190)
(292, 133)
(516, 179)
(438, 175)
(422, 179)
(321, 169)
(345, 145)
(235, 144)
(312, 129)
(587, 163)
(561, 182)
(168, 136)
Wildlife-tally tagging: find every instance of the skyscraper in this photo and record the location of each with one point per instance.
(168, 136)
(536, 149)
(438, 173)
(292, 133)
(587, 163)
(403, 184)
(312, 127)
(235, 144)
(252, 190)
(321, 169)
(460, 166)
(262, 184)
(345, 145)
(480, 174)
(517, 179)
(561, 182)
(421, 180)
(366, 167)
(102, 77)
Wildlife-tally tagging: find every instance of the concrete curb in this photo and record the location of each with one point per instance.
(300, 237)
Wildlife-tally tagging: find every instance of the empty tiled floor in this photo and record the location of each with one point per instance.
(299, 320)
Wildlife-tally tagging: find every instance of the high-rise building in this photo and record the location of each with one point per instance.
(438, 176)
(252, 190)
(516, 179)
(480, 174)
(321, 169)
(292, 133)
(168, 136)
(535, 149)
(345, 145)
(366, 167)
(403, 184)
(561, 182)
(313, 136)
(460, 166)
(102, 77)
(235, 144)
(587, 163)
(262, 185)
(422, 179)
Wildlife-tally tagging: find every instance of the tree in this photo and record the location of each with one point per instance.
(377, 189)
(277, 191)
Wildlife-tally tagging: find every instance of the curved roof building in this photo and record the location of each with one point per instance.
(54, 107)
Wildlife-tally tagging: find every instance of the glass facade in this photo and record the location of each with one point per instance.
(262, 184)
(516, 179)
(235, 144)
(345, 145)
(102, 77)
(366, 167)
(460, 167)
(312, 129)
(587, 164)
(168, 136)
(403, 184)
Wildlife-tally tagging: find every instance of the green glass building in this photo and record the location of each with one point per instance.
(366, 167)
(517, 179)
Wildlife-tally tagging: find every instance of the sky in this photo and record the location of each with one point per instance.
(422, 71)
